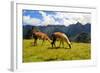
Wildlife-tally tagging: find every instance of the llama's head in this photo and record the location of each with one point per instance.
(69, 45)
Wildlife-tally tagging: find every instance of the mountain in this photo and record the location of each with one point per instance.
(27, 31)
(77, 28)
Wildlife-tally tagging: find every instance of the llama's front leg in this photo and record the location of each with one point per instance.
(63, 44)
(42, 42)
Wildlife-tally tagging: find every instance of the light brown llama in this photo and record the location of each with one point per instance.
(41, 36)
(61, 37)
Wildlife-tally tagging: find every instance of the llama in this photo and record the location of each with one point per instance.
(40, 35)
(61, 37)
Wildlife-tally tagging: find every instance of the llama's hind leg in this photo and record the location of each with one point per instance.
(35, 42)
(60, 44)
(53, 44)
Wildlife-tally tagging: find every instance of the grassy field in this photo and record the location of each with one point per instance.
(40, 53)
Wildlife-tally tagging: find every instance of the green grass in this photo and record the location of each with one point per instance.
(40, 53)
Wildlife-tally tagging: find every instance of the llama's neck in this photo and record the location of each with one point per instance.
(66, 39)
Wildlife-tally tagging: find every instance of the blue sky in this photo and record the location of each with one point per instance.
(44, 18)
(32, 14)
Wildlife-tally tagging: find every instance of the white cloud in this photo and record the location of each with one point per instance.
(31, 21)
(47, 19)
(59, 15)
(72, 18)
